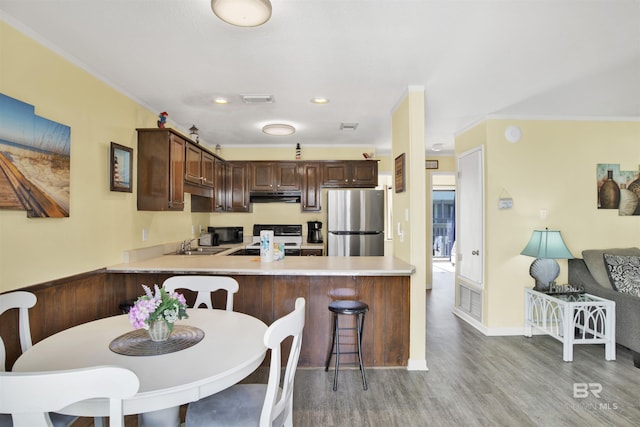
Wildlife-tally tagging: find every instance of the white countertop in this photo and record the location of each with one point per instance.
(251, 265)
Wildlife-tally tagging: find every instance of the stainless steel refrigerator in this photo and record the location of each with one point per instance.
(355, 222)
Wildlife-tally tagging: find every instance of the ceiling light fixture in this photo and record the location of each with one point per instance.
(219, 100)
(320, 100)
(243, 13)
(436, 147)
(278, 129)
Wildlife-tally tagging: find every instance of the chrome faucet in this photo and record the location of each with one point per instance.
(186, 245)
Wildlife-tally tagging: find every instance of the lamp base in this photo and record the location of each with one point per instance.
(544, 271)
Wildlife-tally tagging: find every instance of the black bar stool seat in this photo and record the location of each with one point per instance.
(352, 308)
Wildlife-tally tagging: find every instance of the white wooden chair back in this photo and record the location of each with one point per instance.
(290, 325)
(22, 301)
(30, 396)
(205, 286)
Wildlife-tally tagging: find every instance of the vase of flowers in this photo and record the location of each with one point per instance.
(158, 311)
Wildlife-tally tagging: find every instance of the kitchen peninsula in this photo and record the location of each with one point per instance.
(268, 291)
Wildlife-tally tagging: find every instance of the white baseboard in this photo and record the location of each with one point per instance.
(492, 332)
(417, 365)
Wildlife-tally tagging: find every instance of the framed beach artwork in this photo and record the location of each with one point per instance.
(35, 156)
(121, 168)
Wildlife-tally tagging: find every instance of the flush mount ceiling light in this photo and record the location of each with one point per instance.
(278, 129)
(243, 13)
(220, 100)
(319, 100)
(436, 147)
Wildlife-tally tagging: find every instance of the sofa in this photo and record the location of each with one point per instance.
(594, 273)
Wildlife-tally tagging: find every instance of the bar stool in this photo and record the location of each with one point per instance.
(346, 307)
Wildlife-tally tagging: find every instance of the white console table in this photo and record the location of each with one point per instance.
(572, 319)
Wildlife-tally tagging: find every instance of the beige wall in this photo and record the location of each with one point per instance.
(553, 168)
(410, 213)
(102, 224)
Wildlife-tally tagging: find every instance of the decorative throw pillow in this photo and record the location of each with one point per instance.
(595, 262)
(624, 272)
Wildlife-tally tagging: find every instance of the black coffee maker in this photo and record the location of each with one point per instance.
(314, 233)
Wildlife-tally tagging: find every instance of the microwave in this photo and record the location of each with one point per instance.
(226, 235)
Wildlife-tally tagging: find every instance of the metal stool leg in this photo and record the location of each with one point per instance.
(360, 328)
(333, 340)
(335, 375)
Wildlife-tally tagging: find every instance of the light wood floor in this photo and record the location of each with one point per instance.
(473, 380)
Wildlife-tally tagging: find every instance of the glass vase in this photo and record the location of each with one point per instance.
(159, 330)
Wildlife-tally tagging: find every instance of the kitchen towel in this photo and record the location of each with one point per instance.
(266, 245)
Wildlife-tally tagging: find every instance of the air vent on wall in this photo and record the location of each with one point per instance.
(257, 99)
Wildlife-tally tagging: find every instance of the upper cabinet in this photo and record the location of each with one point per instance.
(270, 176)
(237, 187)
(161, 163)
(310, 174)
(199, 166)
(350, 174)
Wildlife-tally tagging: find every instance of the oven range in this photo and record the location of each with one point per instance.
(288, 234)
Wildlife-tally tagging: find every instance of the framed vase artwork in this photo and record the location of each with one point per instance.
(121, 168)
(618, 189)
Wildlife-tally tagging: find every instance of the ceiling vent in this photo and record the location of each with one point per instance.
(257, 99)
(348, 126)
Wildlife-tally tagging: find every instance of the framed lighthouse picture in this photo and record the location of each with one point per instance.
(121, 168)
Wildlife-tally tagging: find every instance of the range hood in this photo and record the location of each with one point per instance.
(275, 197)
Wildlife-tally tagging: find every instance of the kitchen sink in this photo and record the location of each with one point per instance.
(202, 251)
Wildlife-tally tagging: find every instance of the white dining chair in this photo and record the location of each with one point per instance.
(30, 396)
(205, 286)
(258, 404)
(23, 301)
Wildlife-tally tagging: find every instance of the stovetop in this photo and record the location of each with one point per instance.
(289, 234)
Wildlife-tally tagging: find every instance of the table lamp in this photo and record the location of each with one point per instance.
(546, 246)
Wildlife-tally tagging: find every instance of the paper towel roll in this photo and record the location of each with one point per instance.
(266, 245)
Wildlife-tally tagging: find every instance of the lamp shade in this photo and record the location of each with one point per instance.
(546, 244)
(243, 13)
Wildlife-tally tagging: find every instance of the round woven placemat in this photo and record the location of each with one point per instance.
(138, 343)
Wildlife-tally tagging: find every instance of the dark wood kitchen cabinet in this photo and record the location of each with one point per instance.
(199, 166)
(220, 186)
(161, 163)
(350, 174)
(270, 176)
(310, 174)
(237, 187)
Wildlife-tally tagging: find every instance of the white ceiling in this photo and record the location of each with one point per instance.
(575, 59)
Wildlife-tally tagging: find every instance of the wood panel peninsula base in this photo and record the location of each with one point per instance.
(268, 291)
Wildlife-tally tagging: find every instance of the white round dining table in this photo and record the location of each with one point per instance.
(232, 348)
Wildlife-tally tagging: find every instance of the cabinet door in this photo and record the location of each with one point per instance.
(310, 195)
(364, 173)
(335, 174)
(208, 169)
(237, 187)
(287, 177)
(193, 164)
(176, 172)
(262, 176)
(220, 189)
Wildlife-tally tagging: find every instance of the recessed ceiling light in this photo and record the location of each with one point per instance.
(278, 129)
(320, 100)
(220, 100)
(348, 126)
